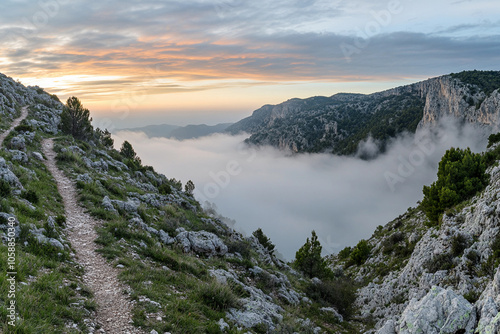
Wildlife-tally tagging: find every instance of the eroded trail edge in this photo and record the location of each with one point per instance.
(16, 122)
(114, 309)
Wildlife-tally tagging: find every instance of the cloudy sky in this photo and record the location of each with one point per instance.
(147, 61)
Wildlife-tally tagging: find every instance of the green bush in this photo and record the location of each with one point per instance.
(264, 240)
(239, 246)
(390, 243)
(493, 139)
(345, 253)
(30, 196)
(5, 189)
(360, 253)
(442, 261)
(217, 296)
(165, 189)
(340, 293)
(461, 174)
(458, 245)
(24, 128)
(61, 220)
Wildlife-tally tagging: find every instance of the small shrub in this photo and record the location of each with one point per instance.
(264, 240)
(472, 296)
(31, 196)
(165, 189)
(341, 293)
(217, 296)
(239, 246)
(474, 257)
(345, 253)
(458, 245)
(61, 220)
(5, 189)
(442, 261)
(23, 128)
(360, 253)
(493, 139)
(390, 242)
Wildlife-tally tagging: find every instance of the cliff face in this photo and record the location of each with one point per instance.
(446, 96)
(434, 279)
(340, 122)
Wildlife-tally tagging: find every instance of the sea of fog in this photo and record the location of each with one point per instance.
(343, 199)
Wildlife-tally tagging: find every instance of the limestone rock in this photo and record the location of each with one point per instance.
(440, 311)
(202, 243)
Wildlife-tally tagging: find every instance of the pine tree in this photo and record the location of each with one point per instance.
(308, 258)
(189, 187)
(128, 151)
(75, 119)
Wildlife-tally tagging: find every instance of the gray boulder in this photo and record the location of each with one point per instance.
(130, 206)
(85, 178)
(388, 328)
(165, 238)
(19, 156)
(202, 242)
(37, 156)
(7, 175)
(441, 312)
(107, 204)
(18, 143)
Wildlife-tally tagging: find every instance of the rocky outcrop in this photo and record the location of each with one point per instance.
(202, 242)
(440, 311)
(8, 176)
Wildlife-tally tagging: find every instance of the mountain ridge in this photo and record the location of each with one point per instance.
(338, 124)
(191, 131)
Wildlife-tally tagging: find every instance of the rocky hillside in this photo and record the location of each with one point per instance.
(183, 269)
(339, 123)
(417, 276)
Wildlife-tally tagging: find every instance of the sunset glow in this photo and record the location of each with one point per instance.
(229, 57)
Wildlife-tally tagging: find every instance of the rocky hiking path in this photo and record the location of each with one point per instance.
(114, 309)
(16, 122)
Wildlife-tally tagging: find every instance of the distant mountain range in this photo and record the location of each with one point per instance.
(180, 132)
(338, 124)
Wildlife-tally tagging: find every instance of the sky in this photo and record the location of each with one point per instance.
(139, 62)
(343, 199)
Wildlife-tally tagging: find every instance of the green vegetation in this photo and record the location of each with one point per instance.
(493, 139)
(360, 253)
(309, 261)
(264, 240)
(461, 174)
(486, 81)
(339, 292)
(75, 119)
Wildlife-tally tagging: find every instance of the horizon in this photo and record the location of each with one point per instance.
(216, 62)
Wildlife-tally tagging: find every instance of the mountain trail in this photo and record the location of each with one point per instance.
(16, 122)
(114, 312)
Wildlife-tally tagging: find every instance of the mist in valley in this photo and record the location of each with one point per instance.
(343, 199)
